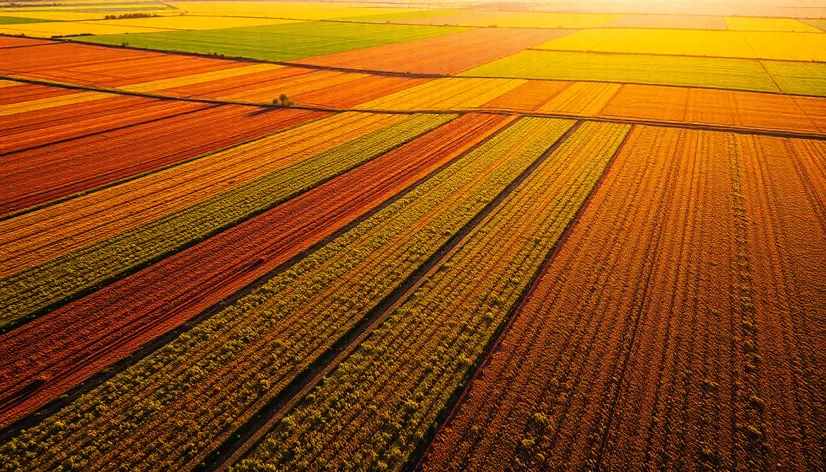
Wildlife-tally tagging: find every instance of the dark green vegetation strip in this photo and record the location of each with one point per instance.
(13, 20)
(277, 42)
(35, 290)
(242, 356)
(372, 411)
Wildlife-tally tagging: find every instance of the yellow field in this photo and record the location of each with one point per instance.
(51, 102)
(749, 45)
(739, 23)
(524, 19)
(445, 94)
(304, 11)
(66, 28)
(581, 98)
(193, 79)
(186, 22)
(67, 15)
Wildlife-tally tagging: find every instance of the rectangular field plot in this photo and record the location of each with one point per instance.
(16, 20)
(668, 22)
(80, 64)
(798, 77)
(739, 23)
(292, 10)
(179, 22)
(34, 177)
(713, 107)
(506, 19)
(278, 42)
(445, 94)
(738, 74)
(681, 321)
(72, 28)
(749, 45)
(446, 54)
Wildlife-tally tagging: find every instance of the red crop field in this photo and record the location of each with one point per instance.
(412, 237)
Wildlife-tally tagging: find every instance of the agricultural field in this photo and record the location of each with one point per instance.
(420, 237)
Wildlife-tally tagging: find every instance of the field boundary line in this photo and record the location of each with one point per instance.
(461, 111)
(452, 407)
(351, 340)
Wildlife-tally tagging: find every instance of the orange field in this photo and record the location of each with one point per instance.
(448, 54)
(715, 107)
(616, 358)
(34, 177)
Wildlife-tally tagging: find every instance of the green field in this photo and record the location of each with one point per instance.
(803, 78)
(278, 42)
(11, 20)
(738, 74)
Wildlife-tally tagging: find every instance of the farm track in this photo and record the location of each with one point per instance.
(602, 119)
(253, 433)
(141, 301)
(701, 387)
(456, 143)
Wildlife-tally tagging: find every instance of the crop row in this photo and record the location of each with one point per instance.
(669, 329)
(237, 359)
(39, 236)
(43, 127)
(37, 176)
(50, 283)
(46, 357)
(375, 408)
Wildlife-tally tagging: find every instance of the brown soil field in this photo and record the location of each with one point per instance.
(679, 325)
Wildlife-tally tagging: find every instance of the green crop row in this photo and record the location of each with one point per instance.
(59, 279)
(176, 405)
(277, 42)
(375, 408)
(732, 74)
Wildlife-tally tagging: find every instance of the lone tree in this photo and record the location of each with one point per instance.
(283, 100)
